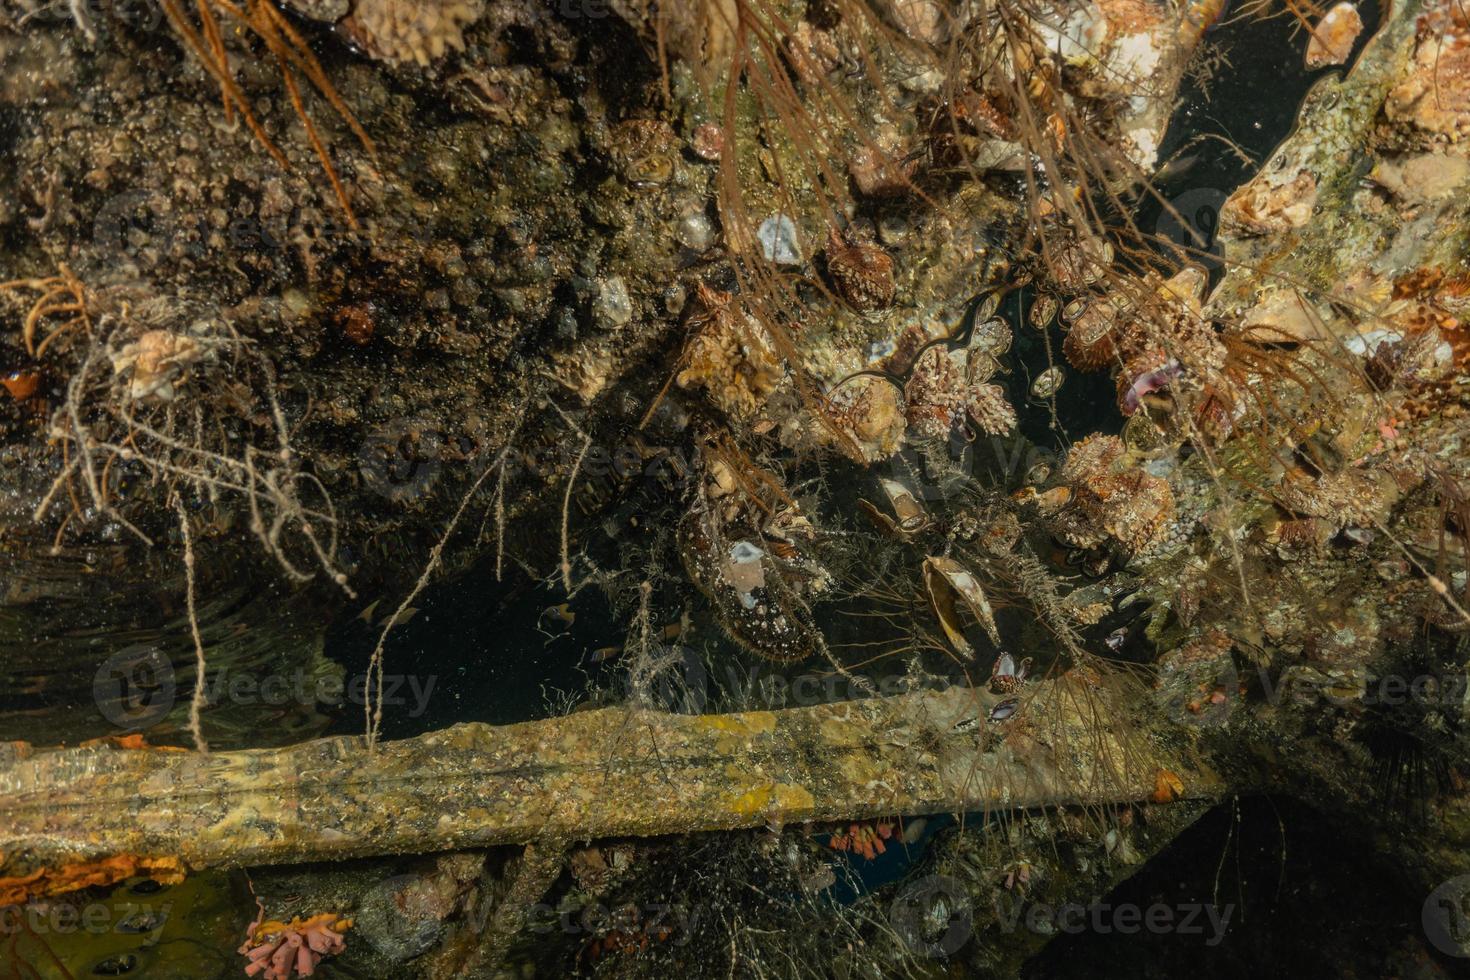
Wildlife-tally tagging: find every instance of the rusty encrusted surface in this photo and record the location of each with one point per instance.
(589, 774)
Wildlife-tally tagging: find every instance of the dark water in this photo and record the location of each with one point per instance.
(479, 650)
(1250, 100)
(1298, 897)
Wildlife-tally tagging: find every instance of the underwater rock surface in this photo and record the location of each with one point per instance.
(799, 388)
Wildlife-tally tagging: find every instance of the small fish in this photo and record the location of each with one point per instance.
(561, 614)
(402, 618)
(366, 615)
(1177, 167)
(605, 653)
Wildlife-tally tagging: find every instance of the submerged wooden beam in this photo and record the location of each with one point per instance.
(602, 773)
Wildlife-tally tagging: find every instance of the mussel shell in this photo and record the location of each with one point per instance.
(985, 307)
(1048, 382)
(1040, 472)
(1189, 283)
(756, 604)
(992, 336)
(1099, 260)
(950, 585)
(1043, 311)
(982, 367)
(907, 508)
(1004, 709)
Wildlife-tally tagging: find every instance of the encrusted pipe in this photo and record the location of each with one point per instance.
(587, 775)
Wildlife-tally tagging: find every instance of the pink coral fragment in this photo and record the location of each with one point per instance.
(283, 950)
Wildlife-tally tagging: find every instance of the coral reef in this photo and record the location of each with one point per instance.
(1099, 496)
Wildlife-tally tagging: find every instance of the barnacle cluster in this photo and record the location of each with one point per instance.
(1100, 497)
(945, 387)
(924, 389)
(868, 410)
(419, 32)
(1153, 330)
(729, 355)
(293, 57)
(862, 273)
(1347, 498)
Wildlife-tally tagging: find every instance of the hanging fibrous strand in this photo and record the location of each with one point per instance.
(62, 303)
(292, 54)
